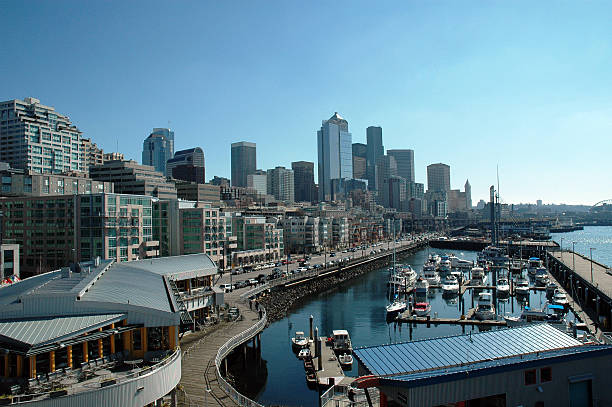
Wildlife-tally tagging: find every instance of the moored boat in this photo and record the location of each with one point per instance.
(304, 353)
(341, 341)
(422, 287)
(485, 309)
(396, 307)
(560, 298)
(502, 287)
(541, 277)
(450, 285)
(521, 287)
(422, 309)
(478, 276)
(299, 341)
(346, 360)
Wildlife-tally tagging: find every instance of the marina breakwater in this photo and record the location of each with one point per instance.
(281, 298)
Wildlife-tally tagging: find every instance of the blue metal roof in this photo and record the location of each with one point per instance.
(442, 353)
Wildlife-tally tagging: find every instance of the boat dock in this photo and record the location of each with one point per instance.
(327, 367)
(467, 319)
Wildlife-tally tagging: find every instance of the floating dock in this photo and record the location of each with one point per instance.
(327, 369)
(467, 320)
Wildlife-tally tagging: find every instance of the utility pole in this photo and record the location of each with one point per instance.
(591, 250)
(573, 257)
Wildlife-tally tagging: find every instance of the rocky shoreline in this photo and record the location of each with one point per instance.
(281, 299)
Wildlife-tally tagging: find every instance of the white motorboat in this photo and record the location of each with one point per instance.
(304, 353)
(450, 285)
(422, 287)
(299, 341)
(422, 309)
(431, 275)
(496, 255)
(521, 287)
(445, 264)
(485, 309)
(478, 276)
(395, 308)
(541, 277)
(549, 313)
(341, 341)
(346, 360)
(551, 288)
(458, 263)
(408, 272)
(560, 298)
(502, 287)
(434, 258)
(533, 264)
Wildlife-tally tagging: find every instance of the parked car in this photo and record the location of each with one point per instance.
(226, 287)
(240, 284)
(253, 281)
(261, 278)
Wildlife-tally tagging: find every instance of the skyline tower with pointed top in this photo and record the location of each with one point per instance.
(468, 195)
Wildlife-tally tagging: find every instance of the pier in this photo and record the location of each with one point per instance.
(467, 319)
(327, 367)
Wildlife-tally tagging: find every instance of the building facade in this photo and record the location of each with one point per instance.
(187, 165)
(303, 179)
(91, 153)
(281, 184)
(301, 234)
(129, 177)
(190, 191)
(438, 177)
(244, 162)
(158, 148)
(405, 163)
(258, 181)
(335, 154)
(257, 240)
(360, 154)
(36, 138)
(386, 168)
(375, 150)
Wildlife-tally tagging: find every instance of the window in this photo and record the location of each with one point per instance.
(530, 377)
(545, 374)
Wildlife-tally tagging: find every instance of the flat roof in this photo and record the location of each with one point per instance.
(443, 353)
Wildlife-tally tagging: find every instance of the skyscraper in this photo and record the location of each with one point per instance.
(405, 163)
(468, 195)
(375, 150)
(303, 178)
(244, 162)
(360, 153)
(37, 138)
(158, 148)
(258, 181)
(281, 184)
(335, 152)
(187, 165)
(438, 177)
(386, 168)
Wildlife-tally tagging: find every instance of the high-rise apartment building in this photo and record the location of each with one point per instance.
(303, 179)
(405, 163)
(360, 154)
(258, 181)
(375, 150)
(438, 177)
(92, 154)
(36, 138)
(244, 162)
(158, 148)
(129, 177)
(281, 184)
(187, 165)
(335, 153)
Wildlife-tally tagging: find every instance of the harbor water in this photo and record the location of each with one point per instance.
(359, 307)
(597, 237)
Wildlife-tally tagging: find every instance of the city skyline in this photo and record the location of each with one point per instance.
(458, 85)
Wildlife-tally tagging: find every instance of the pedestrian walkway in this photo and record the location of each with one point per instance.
(198, 369)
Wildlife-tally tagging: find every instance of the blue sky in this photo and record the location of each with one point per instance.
(523, 85)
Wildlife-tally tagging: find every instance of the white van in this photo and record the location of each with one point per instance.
(226, 287)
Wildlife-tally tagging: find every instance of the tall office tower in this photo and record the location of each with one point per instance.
(375, 151)
(244, 162)
(280, 184)
(438, 177)
(187, 165)
(360, 153)
(157, 149)
(36, 138)
(405, 163)
(303, 178)
(258, 181)
(386, 167)
(468, 195)
(335, 152)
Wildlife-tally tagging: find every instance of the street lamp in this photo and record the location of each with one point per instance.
(561, 247)
(591, 250)
(573, 257)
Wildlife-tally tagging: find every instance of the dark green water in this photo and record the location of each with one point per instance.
(359, 307)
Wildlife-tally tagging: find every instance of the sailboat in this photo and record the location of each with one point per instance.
(397, 306)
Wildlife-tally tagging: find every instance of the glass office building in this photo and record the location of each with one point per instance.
(335, 153)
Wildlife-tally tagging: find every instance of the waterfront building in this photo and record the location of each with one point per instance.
(92, 154)
(303, 180)
(129, 177)
(257, 239)
(53, 231)
(281, 184)
(38, 139)
(534, 365)
(438, 177)
(158, 148)
(340, 232)
(301, 234)
(335, 157)
(360, 154)
(166, 227)
(92, 318)
(244, 162)
(405, 163)
(191, 191)
(375, 150)
(258, 181)
(386, 168)
(187, 165)
(22, 183)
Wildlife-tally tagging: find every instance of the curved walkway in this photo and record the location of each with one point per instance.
(198, 368)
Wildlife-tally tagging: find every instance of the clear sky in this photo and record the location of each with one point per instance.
(475, 84)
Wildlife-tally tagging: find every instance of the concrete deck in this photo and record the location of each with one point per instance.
(329, 361)
(601, 279)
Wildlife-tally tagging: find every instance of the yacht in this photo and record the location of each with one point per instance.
(485, 308)
(541, 277)
(502, 287)
(458, 263)
(450, 285)
(422, 309)
(559, 298)
(547, 314)
(521, 287)
(478, 276)
(299, 341)
(434, 258)
(495, 255)
(445, 264)
(431, 275)
(408, 272)
(341, 341)
(422, 287)
(533, 264)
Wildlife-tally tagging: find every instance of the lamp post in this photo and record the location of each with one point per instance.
(591, 251)
(561, 247)
(573, 257)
